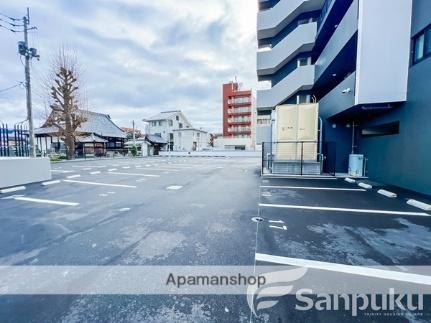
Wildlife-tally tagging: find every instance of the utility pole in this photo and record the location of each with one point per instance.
(28, 53)
(26, 20)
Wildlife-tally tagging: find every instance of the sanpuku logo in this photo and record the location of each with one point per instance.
(277, 284)
(281, 283)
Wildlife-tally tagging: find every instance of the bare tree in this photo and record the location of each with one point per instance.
(67, 106)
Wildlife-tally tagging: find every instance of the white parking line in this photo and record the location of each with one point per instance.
(112, 170)
(319, 208)
(73, 176)
(29, 199)
(134, 174)
(316, 188)
(99, 184)
(62, 171)
(94, 173)
(174, 187)
(51, 183)
(12, 189)
(347, 269)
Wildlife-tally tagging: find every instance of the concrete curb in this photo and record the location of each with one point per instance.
(366, 186)
(420, 205)
(350, 180)
(12, 189)
(387, 193)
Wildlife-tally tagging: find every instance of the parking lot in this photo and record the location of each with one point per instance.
(196, 211)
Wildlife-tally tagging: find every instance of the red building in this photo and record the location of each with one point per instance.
(237, 111)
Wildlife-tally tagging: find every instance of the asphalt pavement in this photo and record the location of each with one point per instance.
(197, 211)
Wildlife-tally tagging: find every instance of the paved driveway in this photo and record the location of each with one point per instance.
(197, 211)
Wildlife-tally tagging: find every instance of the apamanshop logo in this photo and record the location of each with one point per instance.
(277, 284)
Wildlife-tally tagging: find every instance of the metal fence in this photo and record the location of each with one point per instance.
(14, 141)
(292, 158)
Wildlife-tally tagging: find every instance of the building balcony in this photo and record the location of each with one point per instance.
(340, 99)
(341, 37)
(302, 78)
(239, 123)
(238, 113)
(270, 22)
(298, 41)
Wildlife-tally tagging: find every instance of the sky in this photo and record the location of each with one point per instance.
(137, 57)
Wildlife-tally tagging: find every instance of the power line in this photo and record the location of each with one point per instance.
(12, 30)
(11, 18)
(12, 87)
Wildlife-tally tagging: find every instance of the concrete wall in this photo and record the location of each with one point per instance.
(19, 171)
(383, 50)
(405, 159)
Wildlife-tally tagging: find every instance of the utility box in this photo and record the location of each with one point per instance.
(297, 131)
(356, 165)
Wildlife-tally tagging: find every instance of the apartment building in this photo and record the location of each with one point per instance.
(237, 111)
(367, 65)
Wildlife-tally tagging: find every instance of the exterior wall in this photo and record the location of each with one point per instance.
(229, 143)
(165, 128)
(232, 119)
(404, 159)
(190, 140)
(382, 45)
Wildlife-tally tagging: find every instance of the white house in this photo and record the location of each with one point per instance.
(174, 127)
(190, 139)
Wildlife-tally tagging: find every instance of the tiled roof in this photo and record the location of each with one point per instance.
(97, 123)
(155, 139)
(91, 139)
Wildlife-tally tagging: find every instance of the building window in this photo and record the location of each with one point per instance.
(177, 118)
(386, 129)
(304, 61)
(171, 123)
(422, 45)
(180, 125)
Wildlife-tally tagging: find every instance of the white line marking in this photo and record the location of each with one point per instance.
(29, 199)
(134, 174)
(367, 186)
(11, 197)
(12, 189)
(316, 188)
(51, 183)
(284, 228)
(387, 193)
(126, 167)
(278, 221)
(174, 187)
(420, 205)
(91, 166)
(319, 208)
(124, 209)
(350, 180)
(347, 269)
(94, 173)
(62, 171)
(141, 180)
(112, 170)
(99, 184)
(73, 176)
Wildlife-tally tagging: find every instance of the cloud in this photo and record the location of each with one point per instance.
(139, 57)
